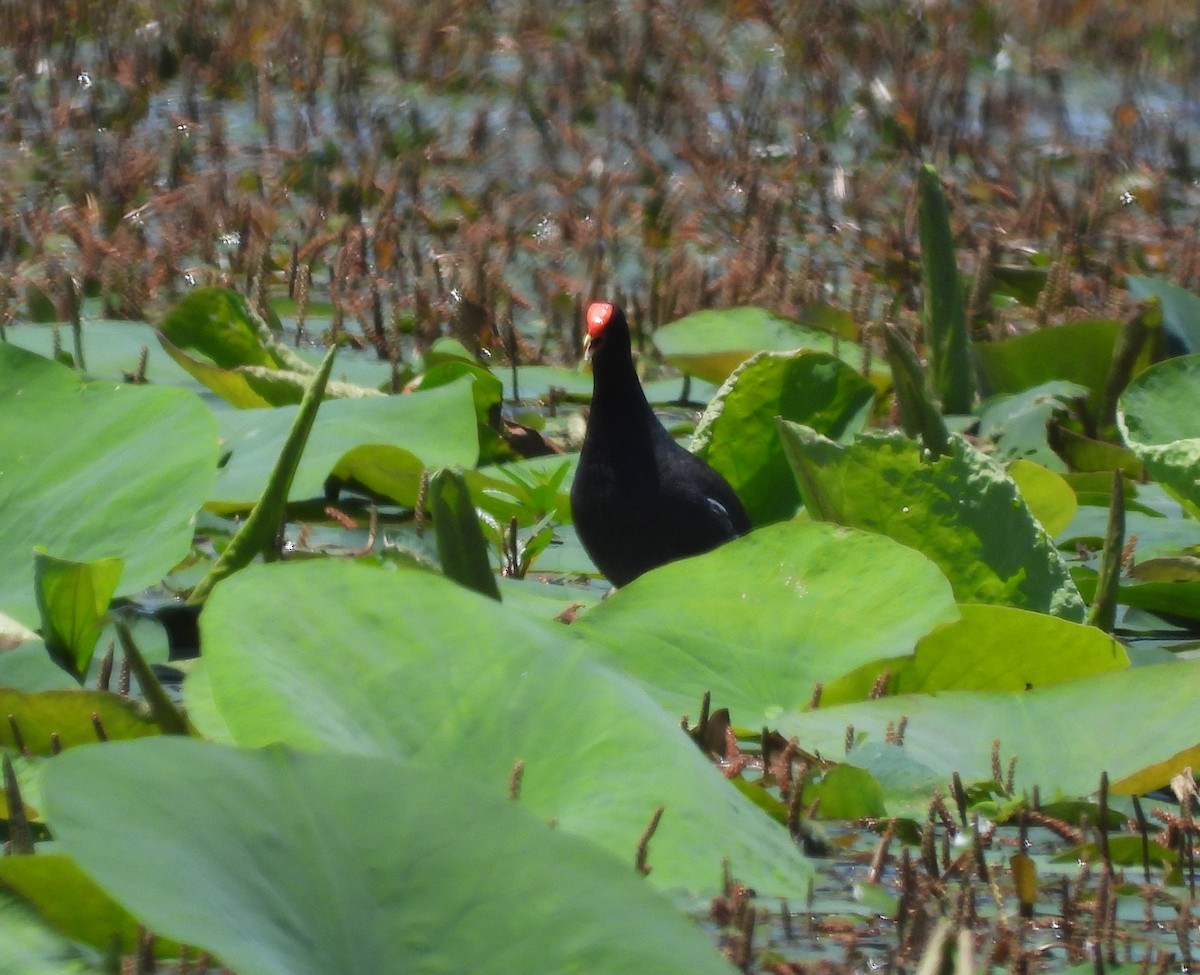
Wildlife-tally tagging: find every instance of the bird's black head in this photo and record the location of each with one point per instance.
(606, 330)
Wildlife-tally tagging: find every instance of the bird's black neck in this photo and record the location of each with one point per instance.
(620, 414)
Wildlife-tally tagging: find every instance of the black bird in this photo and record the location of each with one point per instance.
(639, 499)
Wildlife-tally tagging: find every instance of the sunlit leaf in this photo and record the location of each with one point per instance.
(711, 344)
(1077, 352)
(760, 621)
(462, 549)
(72, 717)
(995, 648)
(737, 433)
(382, 469)
(216, 323)
(352, 863)
(138, 460)
(428, 670)
(72, 904)
(1049, 496)
(1001, 648)
(114, 349)
(1180, 308)
(961, 510)
(437, 425)
(1063, 736)
(73, 600)
(1159, 414)
(846, 792)
(1016, 422)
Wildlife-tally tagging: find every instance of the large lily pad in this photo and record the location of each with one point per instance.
(94, 471)
(437, 425)
(72, 717)
(112, 350)
(961, 510)
(1077, 352)
(1180, 308)
(427, 670)
(761, 620)
(737, 433)
(992, 648)
(1001, 648)
(711, 344)
(282, 863)
(1049, 496)
(1157, 537)
(536, 382)
(1063, 736)
(211, 334)
(1159, 414)
(1016, 422)
(27, 667)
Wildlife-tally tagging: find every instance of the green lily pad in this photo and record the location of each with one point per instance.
(961, 510)
(535, 382)
(760, 621)
(993, 648)
(737, 433)
(73, 600)
(285, 863)
(488, 393)
(1157, 537)
(846, 792)
(216, 323)
(1076, 352)
(239, 359)
(72, 903)
(906, 783)
(1174, 598)
(1157, 774)
(382, 469)
(1180, 308)
(139, 460)
(1159, 415)
(711, 344)
(1094, 489)
(1084, 453)
(1016, 422)
(28, 667)
(430, 671)
(1063, 736)
(1049, 496)
(232, 385)
(1000, 648)
(112, 350)
(437, 425)
(74, 717)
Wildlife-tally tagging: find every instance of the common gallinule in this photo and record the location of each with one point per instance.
(639, 499)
